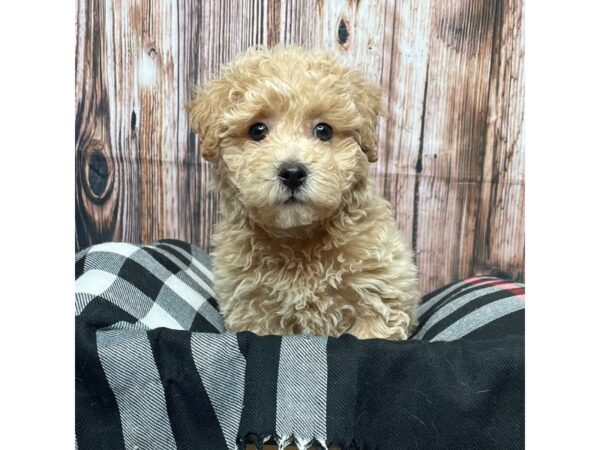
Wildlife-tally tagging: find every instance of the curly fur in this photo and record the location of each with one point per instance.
(333, 262)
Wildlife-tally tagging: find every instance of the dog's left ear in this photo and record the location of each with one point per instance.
(368, 102)
(206, 114)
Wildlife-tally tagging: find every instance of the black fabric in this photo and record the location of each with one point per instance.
(458, 383)
(200, 324)
(97, 421)
(510, 326)
(260, 393)
(141, 278)
(446, 395)
(192, 419)
(344, 361)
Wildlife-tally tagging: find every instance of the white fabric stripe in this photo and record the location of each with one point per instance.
(123, 325)
(195, 262)
(109, 262)
(129, 298)
(213, 316)
(157, 317)
(193, 275)
(222, 369)
(452, 306)
(120, 248)
(424, 307)
(129, 366)
(94, 282)
(196, 301)
(302, 390)
(191, 296)
(119, 292)
(202, 257)
(81, 301)
(478, 318)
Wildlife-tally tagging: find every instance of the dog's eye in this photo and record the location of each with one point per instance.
(258, 131)
(323, 131)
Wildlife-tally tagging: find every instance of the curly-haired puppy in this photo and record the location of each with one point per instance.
(304, 246)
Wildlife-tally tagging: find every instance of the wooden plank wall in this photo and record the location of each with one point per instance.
(451, 148)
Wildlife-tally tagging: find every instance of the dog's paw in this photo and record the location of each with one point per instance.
(378, 328)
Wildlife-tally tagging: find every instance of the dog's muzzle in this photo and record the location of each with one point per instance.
(292, 175)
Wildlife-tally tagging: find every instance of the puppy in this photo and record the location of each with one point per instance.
(303, 246)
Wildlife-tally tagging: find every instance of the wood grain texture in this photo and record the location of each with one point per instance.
(449, 166)
(451, 157)
(500, 233)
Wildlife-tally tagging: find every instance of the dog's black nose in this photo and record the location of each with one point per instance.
(292, 175)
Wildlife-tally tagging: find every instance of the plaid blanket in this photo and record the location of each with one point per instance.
(155, 369)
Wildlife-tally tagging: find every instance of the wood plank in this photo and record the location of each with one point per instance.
(500, 231)
(186, 66)
(152, 77)
(450, 168)
(100, 188)
(404, 77)
(297, 22)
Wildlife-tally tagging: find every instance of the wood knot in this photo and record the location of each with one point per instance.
(343, 34)
(98, 173)
(150, 48)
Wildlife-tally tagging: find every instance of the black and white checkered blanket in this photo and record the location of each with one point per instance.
(155, 369)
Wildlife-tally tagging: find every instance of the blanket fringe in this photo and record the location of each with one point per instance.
(282, 442)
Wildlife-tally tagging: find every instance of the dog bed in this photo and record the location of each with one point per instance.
(155, 369)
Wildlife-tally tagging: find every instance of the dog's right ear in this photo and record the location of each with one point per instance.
(206, 115)
(367, 97)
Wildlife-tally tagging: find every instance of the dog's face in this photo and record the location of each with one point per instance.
(294, 130)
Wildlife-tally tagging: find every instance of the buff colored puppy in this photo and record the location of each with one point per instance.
(303, 247)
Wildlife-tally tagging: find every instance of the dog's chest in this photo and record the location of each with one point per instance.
(303, 276)
(295, 291)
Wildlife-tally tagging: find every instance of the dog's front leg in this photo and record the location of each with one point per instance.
(393, 326)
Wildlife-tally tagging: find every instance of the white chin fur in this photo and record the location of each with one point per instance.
(285, 216)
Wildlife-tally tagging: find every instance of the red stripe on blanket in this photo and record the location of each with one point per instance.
(516, 290)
